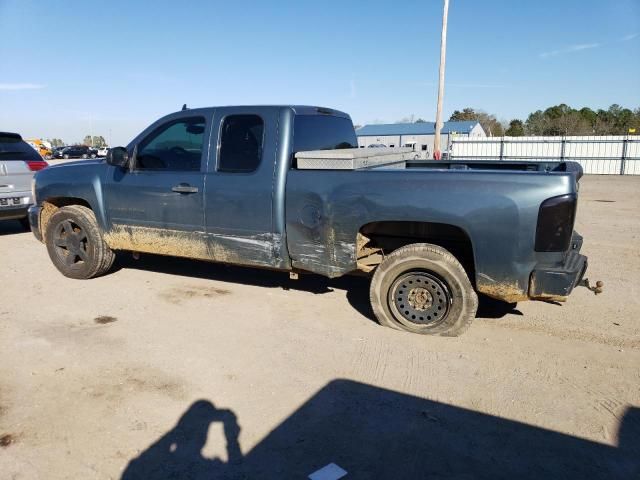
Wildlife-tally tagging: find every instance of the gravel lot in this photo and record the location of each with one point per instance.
(205, 371)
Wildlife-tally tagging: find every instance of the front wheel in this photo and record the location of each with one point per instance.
(75, 244)
(422, 288)
(65, 156)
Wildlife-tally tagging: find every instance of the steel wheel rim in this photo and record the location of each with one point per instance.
(419, 298)
(70, 243)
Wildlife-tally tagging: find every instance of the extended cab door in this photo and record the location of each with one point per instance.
(157, 205)
(239, 184)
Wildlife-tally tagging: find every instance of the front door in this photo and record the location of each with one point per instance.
(157, 205)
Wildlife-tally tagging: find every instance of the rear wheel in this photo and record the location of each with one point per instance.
(422, 288)
(75, 244)
(84, 155)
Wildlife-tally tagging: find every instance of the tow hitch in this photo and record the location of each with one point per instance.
(597, 289)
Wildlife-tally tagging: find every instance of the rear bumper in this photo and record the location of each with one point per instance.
(557, 283)
(34, 221)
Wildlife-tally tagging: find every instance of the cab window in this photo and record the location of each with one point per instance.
(241, 139)
(175, 146)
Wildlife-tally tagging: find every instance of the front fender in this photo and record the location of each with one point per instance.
(73, 183)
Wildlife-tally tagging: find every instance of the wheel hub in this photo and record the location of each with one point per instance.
(70, 243)
(419, 298)
(73, 242)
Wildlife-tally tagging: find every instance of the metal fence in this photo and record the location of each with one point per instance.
(603, 155)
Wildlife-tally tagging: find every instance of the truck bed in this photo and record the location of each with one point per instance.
(516, 165)
(403, 158)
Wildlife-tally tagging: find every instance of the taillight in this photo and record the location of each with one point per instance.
(35, 165)
(555, 223)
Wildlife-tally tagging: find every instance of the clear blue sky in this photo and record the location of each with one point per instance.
(113, 67)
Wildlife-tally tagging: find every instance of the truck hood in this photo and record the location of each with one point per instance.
(77, 163)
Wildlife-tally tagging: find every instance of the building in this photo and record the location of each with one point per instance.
(419, 136)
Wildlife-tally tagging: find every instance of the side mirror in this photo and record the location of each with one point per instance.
(118, 157)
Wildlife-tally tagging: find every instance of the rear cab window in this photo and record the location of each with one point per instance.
(12, 147)
(322, 132)
(241, 143)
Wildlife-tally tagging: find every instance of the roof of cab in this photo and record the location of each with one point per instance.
(297, 109)
(17, 136)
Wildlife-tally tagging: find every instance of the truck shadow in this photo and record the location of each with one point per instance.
(356, 287)
(491, 308)
(11, 227)
(374, 433)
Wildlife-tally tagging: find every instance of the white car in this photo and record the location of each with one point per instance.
(18, 163)
(102, 151)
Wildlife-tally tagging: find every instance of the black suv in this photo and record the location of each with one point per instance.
(76, 151)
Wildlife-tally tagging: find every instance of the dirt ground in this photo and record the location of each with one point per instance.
(169, 368)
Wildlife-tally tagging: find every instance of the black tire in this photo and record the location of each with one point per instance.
(434, 286)
(75, 244)
(93, 155)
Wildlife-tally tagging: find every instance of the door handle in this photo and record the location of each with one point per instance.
(184, 188)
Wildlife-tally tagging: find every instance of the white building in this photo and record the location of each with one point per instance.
(419, 136)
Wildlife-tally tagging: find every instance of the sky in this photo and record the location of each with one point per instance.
(110, 68)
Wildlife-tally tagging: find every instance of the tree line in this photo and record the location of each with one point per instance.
(558, 120)
(91, 141)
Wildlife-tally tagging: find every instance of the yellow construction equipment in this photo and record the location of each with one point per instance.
(42, 147)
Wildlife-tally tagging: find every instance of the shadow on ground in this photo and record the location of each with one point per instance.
(356, 287)
(374, 433)
(11, 227)
(491, 308)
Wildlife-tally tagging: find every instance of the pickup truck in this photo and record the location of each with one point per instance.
(226, 184)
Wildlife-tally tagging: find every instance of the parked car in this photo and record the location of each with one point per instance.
(429, 233)
(55, 150)
(102, 151)
(76, 151)
(18, 162)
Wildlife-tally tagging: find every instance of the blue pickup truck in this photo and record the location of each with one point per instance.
(226, 185)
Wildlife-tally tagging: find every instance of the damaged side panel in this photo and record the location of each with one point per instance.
(497, 213)
(507, 291)
(257, 250)
(313, 256)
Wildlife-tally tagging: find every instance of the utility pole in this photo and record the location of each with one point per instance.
(443, 55)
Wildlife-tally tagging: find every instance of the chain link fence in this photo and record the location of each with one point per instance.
(600, 155)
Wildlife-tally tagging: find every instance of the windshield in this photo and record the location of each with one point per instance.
(12, 147)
